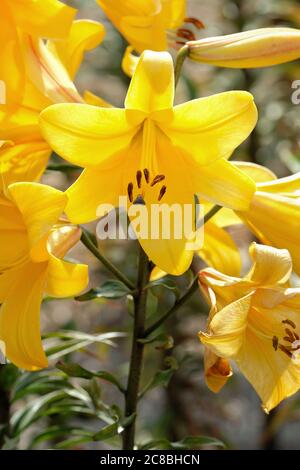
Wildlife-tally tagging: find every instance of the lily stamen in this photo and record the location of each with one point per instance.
(162, 192)
(139, 178)
(289, 322)
(195, 22)
(157, 179)
(130, 191)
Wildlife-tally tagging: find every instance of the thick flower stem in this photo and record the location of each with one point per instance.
(181, 56)
(137, 350)
(88, 242)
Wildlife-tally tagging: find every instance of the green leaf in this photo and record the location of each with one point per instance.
(8, 376)
(166, 341)
(168, 284)
(109, 290)
(188, 443)
(57, 431)
(66, 342)
(107, 432)
(75, 370)
(162, 377)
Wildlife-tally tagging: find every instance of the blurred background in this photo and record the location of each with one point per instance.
(185, 406)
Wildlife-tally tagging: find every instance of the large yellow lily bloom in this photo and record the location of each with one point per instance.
(50, 69)
(39, 18)
(146, 24)
(32, 244)
(163, 154)
(255, 321)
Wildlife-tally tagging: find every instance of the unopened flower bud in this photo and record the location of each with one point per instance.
(249, 49)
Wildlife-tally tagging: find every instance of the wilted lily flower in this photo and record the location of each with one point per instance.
(255, 321)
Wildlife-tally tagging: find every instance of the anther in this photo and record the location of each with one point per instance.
(139, 178)
(289, 333)
(289, 322)
(147, 175)
(296, 336)
(275, 342)
(130, 191)
(285, 350)
(157, 179)
(139, 200)
(195, 22)
(288, 339)
(186, 34)
(162, 192)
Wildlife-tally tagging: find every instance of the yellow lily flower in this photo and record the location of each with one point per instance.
(39, 18)
(33, 243)
(50, 69)
(146, 24)
(154, 152)
(255, 322)
(249, 49)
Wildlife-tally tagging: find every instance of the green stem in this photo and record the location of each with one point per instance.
(173, 309)
(137, 350)
(181, 56)
(211, 213)
(88, 243)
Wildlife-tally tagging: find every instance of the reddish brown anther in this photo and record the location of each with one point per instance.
(186, 34)
(162, 192)
(130, 191)
(195, 22)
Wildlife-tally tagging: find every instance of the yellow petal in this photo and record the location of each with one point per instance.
(217, 371)
(275, 221)
(224, 184)
(259, 173)
(152, 85)
(213, 127)
(86, 135)
(220, 251)
(20, 318)
(289, 186)
(129, 61)
(65, 279)
(157, 274)
(84, 36)
(19, 123)
(95, 186)
(249, 49)
(142, 23)
(91, 98)
(44, 18)
(12, 71)
(23, 162)
(226, 330)
(273, 374)
(270, 266)
(40, 206)
(13, 237)
(47, 72)
(166, 234)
